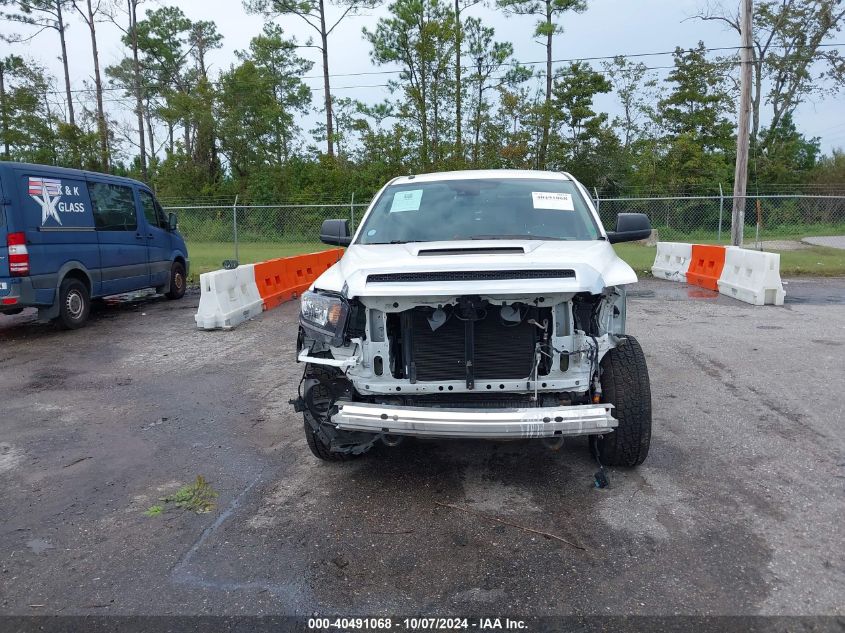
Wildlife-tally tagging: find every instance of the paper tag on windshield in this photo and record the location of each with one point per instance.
(406, 200)
(555, 201)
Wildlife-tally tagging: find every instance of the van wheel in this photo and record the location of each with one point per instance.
(75, 304)
(177, 281)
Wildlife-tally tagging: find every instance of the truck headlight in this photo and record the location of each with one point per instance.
(324, 317)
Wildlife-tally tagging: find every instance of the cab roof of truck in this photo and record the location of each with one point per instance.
(65, 172)
(473, 174)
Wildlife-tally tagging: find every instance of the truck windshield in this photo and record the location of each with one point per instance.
(479, 209)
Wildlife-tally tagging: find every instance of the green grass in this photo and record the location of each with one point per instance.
(206, 256)
(777, 232)
(815, 261)
(640, 258)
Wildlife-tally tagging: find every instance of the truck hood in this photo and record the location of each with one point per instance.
(595, 266)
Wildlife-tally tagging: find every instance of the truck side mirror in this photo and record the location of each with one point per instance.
(630, 227)
(172, 221)
(335, 232)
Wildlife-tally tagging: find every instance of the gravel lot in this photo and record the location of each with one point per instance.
(738, 509)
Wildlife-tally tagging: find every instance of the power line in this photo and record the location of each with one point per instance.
(514, 63)
(639, 55)
(570, 60)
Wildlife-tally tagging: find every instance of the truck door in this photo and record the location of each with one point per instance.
(123, 246)
(158, 238)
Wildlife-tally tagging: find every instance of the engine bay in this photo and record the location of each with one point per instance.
(489, 348)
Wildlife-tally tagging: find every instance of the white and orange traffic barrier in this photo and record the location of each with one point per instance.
(230, 297)
(747, 275)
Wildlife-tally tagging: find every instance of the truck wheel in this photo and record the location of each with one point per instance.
(625, 384)
(74, 304)
(319, 449)
(321, 400)
(177, 281)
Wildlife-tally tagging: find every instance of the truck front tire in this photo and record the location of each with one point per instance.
(321, 400)
(319, 449)
(625, 384)
(74, 304)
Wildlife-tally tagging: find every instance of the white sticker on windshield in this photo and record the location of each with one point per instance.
(555, 201)
(406, 200)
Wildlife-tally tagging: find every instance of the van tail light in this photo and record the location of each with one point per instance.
(18, 254)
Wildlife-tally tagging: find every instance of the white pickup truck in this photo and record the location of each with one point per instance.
(475, 304)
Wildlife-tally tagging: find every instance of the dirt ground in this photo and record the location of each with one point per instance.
(738, 509)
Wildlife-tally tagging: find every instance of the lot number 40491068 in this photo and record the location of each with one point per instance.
(346, 624)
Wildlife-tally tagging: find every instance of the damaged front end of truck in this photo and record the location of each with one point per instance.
(496, 339)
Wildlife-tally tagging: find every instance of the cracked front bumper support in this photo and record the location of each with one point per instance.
(528, 422)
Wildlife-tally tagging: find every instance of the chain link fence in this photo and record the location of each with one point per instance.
(250, 233)
(273, 223)
(708, 218)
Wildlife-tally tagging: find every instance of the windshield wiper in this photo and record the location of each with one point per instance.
(512, 237)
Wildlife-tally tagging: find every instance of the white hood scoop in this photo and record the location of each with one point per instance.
(470, 275)
(471, 250)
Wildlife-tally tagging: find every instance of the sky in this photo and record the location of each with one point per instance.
(607, 28)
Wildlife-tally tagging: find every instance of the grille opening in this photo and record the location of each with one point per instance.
(497, 349)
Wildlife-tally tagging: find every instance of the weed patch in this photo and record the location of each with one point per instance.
(197, 497)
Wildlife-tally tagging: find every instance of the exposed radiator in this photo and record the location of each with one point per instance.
(500, 352)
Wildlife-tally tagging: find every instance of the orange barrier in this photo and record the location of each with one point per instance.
(706, 266)
(285, 278)
(274, 283)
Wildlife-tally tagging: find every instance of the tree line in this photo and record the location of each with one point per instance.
(459, 100)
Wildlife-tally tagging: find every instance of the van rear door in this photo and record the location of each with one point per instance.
(5, 209)
(123, 247)
(51, 206)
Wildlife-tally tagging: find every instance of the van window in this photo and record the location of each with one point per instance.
(165, 221)
(114, 207)
(153, 212)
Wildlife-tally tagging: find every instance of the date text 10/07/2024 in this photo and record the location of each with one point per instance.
(416, 624)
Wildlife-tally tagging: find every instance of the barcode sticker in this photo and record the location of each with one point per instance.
(554, 201)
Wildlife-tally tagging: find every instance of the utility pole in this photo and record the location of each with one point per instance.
(743, 129)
